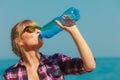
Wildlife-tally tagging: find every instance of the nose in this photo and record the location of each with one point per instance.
(37, 31)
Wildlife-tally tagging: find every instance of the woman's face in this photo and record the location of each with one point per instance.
(30, 40)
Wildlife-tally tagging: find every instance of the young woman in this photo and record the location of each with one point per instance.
(34, 65)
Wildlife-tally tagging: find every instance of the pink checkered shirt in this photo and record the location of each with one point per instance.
(51, 68)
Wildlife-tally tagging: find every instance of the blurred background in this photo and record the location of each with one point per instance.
(99, 24)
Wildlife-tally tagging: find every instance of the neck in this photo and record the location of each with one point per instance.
(31, 58)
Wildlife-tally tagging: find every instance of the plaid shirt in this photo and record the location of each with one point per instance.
(51, 68)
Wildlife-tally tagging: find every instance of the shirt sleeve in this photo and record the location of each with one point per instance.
(5, 77)
(71, 65)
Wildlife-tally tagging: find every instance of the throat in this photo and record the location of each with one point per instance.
(31, 60)
(33, 74)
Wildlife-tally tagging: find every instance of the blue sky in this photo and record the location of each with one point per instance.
(99, 25)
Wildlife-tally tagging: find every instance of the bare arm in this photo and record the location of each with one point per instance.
(83, 48)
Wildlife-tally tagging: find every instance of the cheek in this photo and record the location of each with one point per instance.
(31, 40)
(28, 39)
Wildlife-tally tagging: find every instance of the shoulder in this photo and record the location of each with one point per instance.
(13, 68)
(61, 57)
(9, 69)
(55, 58)
(11, 72)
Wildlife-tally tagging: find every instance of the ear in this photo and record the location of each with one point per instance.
(18, 41)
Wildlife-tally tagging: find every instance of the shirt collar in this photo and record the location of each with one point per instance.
(20, 63)
(44, 60)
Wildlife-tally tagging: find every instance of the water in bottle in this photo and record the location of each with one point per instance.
(68, 18)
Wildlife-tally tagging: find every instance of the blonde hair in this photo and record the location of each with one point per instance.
(16, 32)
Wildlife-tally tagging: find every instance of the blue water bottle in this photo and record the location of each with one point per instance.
(51, 29)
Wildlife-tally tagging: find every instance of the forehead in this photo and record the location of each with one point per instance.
(28, 23)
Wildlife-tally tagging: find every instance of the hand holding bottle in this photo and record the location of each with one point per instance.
(68, 18)
(70, 24)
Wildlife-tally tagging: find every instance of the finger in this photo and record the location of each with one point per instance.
(59, 24)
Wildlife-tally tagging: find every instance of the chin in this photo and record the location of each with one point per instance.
(40, 42)
(36, 47)
(40, 45)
